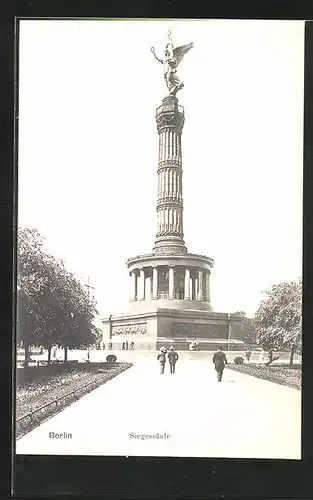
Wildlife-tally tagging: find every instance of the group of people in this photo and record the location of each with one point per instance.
(126, 346)
(194, 346)
(270, 356)
(219, 360)
(172, 359)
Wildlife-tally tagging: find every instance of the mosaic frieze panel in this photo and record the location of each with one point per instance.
(137, 329)
(199, 330)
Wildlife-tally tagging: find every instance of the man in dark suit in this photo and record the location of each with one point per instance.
(162, 359)
(219, 360)
(172, 357)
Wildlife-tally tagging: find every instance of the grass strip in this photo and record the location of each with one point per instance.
(44, 399)
(280, 374)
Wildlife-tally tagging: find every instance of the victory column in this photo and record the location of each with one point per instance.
(170, 301)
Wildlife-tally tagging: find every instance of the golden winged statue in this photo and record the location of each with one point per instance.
(173, 56)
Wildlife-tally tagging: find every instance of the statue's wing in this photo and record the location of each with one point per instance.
(179, 52)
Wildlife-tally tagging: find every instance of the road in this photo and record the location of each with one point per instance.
(99, 355)
(242, 417)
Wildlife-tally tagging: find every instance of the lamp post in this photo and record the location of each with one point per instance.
(110, 331)
(228, 324)
(88, 286)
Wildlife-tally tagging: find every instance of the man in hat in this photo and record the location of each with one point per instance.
(172, 357)
(219, 360)
(162, 359)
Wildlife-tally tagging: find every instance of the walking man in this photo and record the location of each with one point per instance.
(248, 355)
(162, 359)
(219, 360)
(172, 357)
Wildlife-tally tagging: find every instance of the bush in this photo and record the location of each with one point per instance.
(239, 360)
(111, 358)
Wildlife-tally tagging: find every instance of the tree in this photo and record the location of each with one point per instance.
(98, 335)
(278, 320)
(249, 333)
(33, 270)
(75, 312)
(53, 307)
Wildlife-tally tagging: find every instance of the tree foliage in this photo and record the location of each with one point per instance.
(247, 325)
(52, 305)
(278, 320)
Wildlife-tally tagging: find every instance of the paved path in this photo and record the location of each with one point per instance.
(242, 417)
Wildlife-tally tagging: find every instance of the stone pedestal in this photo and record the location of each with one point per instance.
(159, 327)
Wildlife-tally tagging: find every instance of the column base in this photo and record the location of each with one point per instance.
(170, 245)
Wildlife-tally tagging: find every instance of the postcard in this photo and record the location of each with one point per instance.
(159, 252)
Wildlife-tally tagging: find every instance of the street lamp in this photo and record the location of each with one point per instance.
(88, 286)
(228, 324)
(110, 331)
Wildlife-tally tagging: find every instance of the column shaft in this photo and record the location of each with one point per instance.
(142, 285)
(200, 285)
(171, 283)
(133, 286)
(196, 288)
(207, 291)
(187, 284)
(155, 283)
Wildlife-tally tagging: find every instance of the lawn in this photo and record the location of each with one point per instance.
(279, 373)
(32, 395)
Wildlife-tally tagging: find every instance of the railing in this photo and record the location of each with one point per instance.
(189, 255)
(160, 109)
(73, 394)
(57, 400)
(165, 296)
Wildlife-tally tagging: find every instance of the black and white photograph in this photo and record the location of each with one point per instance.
(159, 245)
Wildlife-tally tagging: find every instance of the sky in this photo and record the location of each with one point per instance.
(88, 148)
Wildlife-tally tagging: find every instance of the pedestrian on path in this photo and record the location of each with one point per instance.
(162, 359)
(172, 357)
(248, 355)
(219, 360)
